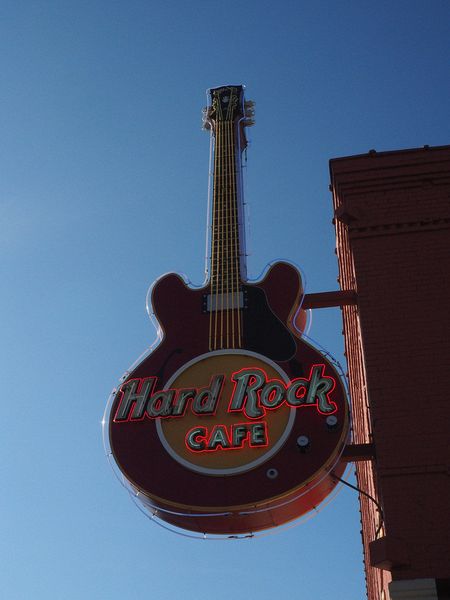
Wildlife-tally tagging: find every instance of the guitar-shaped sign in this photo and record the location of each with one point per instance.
(233, 423)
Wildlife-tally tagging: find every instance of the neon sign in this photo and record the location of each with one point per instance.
(233, 422)
(201, 439)
(253, 394)
(227, 414)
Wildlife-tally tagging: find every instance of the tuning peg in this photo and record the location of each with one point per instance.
(206, 112)
(249, 109)
(249, 122)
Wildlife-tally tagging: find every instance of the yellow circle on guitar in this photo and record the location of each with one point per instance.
(224, 440)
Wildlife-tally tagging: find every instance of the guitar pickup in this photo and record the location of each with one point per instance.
(231, 301)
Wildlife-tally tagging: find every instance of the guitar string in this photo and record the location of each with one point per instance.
(223, 231)
(236, 245)
(219, 232)
(229, 187)
(223, 197)
(230, 176)
(227, 233)
(228, 230)
(225, 177)
(232, 270)
(211, 274)
(217, 269)
(231, 262)
(213, 241)
(225, 238)
(222, 246)
(231, 240)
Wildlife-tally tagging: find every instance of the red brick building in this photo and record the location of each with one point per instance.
(392, 218)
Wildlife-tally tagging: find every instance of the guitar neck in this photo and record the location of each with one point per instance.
(227, 259)
(227, 116)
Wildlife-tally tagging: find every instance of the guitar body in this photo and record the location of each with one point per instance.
(270, 305)
(234, 423)
(267, 331)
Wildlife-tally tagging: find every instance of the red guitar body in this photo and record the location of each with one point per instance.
(185, 325)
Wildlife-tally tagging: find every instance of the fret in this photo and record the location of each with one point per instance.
(230, 254)
(225, 273)
(230, 257)
(226, 173)
(218, 230)
(225, 283)
(226, 216)
(222, 219)
(226, 154)
(226, 270)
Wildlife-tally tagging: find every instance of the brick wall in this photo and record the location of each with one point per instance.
(392, 216)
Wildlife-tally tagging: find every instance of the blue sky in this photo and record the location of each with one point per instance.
(103, 188)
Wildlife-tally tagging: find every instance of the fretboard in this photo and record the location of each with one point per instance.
(225, 266)
(225, 302)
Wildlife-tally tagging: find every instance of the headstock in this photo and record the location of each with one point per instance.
(226, 104)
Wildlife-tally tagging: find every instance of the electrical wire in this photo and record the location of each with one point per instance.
(360, 491)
